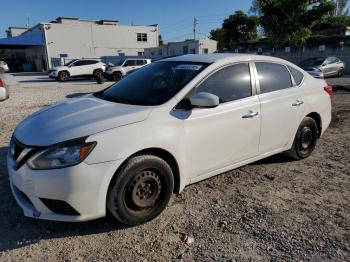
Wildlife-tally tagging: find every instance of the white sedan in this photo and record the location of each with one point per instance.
(178, 121)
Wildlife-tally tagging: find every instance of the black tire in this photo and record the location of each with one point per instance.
(141, 190)
(340, 72)
(97, 73)
(305, 139)
(116, 76)
(63, 76)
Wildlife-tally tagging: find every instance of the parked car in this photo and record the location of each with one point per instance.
(118, 71)
(4, 90)
(329, 66)
(4, 66)
(316, 74)
(77, 68)
(175, 122)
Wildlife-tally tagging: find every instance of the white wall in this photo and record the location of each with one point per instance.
(88, 39)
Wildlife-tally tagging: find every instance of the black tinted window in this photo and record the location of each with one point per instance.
(272, 77)
(153, 84)
(297, 75)
(92, 62)
(140, 62)
(79, 63)
(230, 83)
(130, 63)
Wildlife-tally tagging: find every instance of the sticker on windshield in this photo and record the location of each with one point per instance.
(188, 67)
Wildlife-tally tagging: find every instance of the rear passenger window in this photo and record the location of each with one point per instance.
(140, 62)
(229, 84)
(297, 75)
(272, 77)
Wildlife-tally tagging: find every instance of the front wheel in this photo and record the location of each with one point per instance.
(340, 72)
(63, 76)
(141, 190)
(117, 76)
(305, 139)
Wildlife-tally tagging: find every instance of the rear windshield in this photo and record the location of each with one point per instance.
(153, 84)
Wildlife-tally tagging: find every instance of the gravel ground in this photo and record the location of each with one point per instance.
(272, 210)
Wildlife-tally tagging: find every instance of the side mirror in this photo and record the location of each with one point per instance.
(204, 100)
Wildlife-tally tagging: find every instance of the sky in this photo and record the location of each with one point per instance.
(174, 17)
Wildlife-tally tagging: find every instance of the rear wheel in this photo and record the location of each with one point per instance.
(98, 73)
(141, 190)
(63, 76)
(117, 76)
(305, 139)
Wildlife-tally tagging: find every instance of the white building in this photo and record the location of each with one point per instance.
(202, 46)
(47, 44)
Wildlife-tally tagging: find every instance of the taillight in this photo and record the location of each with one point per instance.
(329, 90)
(1, 83)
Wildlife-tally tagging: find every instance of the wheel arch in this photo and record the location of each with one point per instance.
(97, 69)
(66, 71)
(317, 117)
(161, 153)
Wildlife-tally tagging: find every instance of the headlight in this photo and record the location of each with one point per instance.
(62, 155)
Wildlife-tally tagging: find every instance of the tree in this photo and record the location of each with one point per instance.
(331, 22)
(218, 35)
(238, 27)
(289, 22)
(160, 40)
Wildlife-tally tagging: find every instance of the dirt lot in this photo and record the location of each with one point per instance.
(275, 209)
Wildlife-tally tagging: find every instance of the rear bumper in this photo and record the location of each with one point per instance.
(83, 187)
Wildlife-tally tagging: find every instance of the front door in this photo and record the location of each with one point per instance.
(229, 133)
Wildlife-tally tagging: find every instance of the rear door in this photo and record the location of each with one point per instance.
(330, 66)
(281, 105)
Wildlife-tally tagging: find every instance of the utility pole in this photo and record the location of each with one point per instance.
(195, 22)
(28, 19)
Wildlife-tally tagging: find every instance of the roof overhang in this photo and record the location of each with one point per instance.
(27, 39)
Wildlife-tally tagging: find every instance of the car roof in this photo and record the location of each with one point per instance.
(137, 58)
(213, 58)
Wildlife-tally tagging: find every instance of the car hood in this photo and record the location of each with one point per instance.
(76, 118)
(60, 68)
(115, 68)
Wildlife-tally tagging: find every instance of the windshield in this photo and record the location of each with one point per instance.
(153, 84)
(315, 61)
(70, 62)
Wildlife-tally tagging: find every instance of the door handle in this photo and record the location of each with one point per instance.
(251, 114)
(298, 103)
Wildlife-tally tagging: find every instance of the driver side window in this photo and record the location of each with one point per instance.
(79, 63)
(229, 84)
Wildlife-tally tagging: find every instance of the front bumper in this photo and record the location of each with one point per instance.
(53, 74)
(83, 187)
